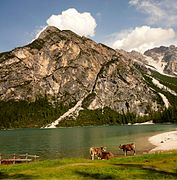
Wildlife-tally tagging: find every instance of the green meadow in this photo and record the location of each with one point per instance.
(149, 166)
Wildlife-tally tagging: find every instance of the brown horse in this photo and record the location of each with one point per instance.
(128, 147)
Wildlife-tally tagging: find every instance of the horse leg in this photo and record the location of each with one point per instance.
(92, 156)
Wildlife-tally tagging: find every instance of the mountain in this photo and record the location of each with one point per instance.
(162, 59)
(67, 79)
(153, 64)
(166, 57)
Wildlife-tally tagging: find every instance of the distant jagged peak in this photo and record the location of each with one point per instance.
(172, 47)
(163, 58)
(160, 50)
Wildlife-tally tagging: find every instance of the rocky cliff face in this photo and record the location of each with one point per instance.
(68, 67)
(166, 55)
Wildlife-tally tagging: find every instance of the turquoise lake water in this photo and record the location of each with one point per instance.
(76, 141)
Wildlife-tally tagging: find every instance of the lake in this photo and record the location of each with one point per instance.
(76, 141)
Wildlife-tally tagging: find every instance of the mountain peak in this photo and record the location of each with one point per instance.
(48, 30)
(166, 57)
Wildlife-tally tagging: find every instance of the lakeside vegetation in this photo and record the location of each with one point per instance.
(24, 114)
(99, 117)
(149, 166)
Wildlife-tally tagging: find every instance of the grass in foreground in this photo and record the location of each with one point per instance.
(151, 166)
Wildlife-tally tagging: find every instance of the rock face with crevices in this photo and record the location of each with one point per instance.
(167, 55)
(68, 67)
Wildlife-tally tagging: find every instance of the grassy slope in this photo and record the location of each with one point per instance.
(152, 166)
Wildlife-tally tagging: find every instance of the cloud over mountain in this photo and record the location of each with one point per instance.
(81, 23)
(143, 38)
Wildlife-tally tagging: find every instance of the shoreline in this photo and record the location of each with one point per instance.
(164, 141)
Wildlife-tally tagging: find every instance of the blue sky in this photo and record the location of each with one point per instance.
(118, 23)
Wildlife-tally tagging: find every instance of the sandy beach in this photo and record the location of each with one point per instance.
(164, 142)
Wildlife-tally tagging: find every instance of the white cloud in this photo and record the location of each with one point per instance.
(81, 23)
(143, 38)
(162, 12)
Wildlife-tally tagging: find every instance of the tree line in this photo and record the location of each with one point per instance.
(20, 114)
(23, 114)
